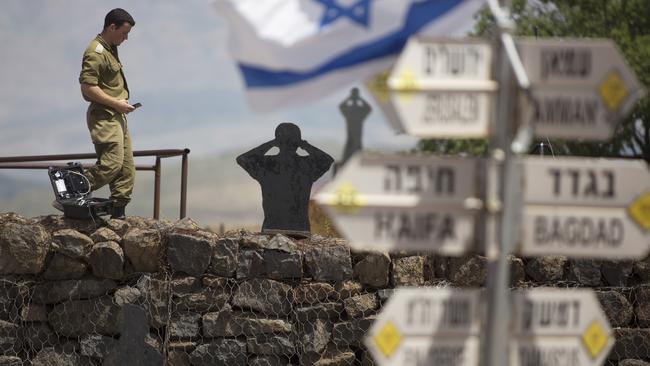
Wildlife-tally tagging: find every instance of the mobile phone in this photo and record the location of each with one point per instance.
(137, 105)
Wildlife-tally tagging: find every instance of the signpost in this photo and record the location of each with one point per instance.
(427, 327)
(405, 202)
(580, 88)
(577, 207)
(582, 207)
(554, 327)
(442, 88)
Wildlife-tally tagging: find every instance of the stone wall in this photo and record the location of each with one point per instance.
(142, 292)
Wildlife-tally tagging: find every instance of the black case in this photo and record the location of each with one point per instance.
(71, 190)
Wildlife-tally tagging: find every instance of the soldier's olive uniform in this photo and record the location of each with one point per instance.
(108, 129)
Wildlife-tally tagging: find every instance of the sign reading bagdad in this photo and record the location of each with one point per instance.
(387, 202)
(584, 207)
(580, 88)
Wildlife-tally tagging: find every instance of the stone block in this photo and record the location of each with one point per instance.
(224, 257)
(265, 296)
(408, 271)
(547, 268)
(23, 248)
(58, 291)
(468, 271)
(374, 269)
(221, 352)
(360, 305)
(189, 253)
(143, 249)
(329, 262)
(62, 267)
(616, 307)
(107, 260)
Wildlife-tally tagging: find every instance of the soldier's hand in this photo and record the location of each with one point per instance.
(123, 106)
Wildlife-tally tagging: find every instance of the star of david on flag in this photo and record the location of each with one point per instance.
(291, 52)
(358, 12)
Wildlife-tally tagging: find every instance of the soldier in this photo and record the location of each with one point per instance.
(103, 85)
(286, 179)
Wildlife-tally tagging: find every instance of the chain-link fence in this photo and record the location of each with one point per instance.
(154, 293)
(239, 300)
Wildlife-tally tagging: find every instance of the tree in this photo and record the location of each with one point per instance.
(626, 22)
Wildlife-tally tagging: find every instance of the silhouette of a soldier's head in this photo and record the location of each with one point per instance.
(287, 136)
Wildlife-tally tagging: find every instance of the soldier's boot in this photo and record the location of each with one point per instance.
(119, 213)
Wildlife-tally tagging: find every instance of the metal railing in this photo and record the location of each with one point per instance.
(45, 161)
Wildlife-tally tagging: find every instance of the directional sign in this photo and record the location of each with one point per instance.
(443, 64)
(584, 207)
(427, 327)
(441, 88)
(443, 114)
(404, 202)
(580, 88)
(640, 210)
(559, 327)
(378, 88)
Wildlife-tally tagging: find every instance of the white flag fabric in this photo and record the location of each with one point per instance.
(291, 52)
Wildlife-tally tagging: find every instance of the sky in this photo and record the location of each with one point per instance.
(177, 65)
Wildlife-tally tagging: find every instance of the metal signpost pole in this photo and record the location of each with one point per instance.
(496, 332)
(502, 207)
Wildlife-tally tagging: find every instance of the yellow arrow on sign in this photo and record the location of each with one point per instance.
(388, 339)
(613, 91)
(407, 81)
(379, 87)
(639, 210)
(347, 198)
(595, 339)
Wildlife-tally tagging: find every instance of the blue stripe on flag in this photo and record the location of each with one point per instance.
(419, 15)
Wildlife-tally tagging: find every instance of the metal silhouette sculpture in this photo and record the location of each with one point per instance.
(286, 179)
(355, 110)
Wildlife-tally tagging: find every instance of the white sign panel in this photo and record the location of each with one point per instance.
(569, 114)
(406, 180)
(573, 181)
(571, 63)
(427, 326)
(434, 229)
(582, 232)
(555, 312)
(404, 202)
(580, 88)
(549, 352)
(443, 114)
(431, 311)
(443, 64)
(559, 327)
(434, 351)
(580, 207)
(441, 88)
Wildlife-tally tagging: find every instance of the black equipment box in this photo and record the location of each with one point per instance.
(72, 191)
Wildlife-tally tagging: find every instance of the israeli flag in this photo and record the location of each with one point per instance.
(291, 52)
